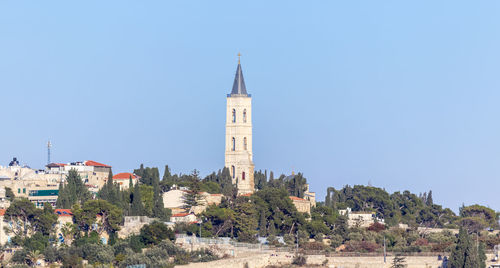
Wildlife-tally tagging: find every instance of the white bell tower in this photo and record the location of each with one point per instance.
(239, 157)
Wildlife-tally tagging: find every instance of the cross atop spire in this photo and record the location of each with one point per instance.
(239, 83)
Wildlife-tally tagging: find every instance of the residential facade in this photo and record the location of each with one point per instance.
(123, 179)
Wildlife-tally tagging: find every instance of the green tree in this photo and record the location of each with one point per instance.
(136, 208)
(398, 262)
(193, 196)
(68, 231)
(106, 215)
(488, 215)
(340, 227)
(167, 175)
(155, 232)
(147, 195)
(9, 194)
(34, 256)
(73, 192)
(22, 213)
(46, 220)
(158, 210)
(429, 201)
(220, 220)
(296, 185)
(465, 254)
(278, 209)
(245, 221)
(262, 224)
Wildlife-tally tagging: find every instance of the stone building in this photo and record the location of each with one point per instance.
(132, 225)
(42, 186)
(174, 200)
(183, 218)
(93, 174)
(64, 217)
(123, 179)
(238, 154)
(301, 204)
(310, 196)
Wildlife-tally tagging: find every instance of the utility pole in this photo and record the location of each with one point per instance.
(297, 248)
(477, 243)
(385, 253)
(201, 221)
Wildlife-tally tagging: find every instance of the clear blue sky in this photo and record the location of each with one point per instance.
(402, 94)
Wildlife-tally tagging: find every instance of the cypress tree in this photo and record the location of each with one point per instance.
(429, 201)
(136, 208)
(166, 174)
(262, 224)
(62, 199)
(272, 229)
(159, 210)
(465, 254)
(73, 192)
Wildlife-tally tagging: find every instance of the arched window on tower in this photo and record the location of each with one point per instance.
(245, 116)
(245, 143)
(234, 116)
(243, 175)
(233, 145)
(233, 171)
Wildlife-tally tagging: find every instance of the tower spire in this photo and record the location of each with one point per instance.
(239, 87)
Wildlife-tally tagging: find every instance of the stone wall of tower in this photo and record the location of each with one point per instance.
(238, 156)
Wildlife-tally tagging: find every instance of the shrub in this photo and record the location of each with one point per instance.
(441, 247)
(155, 232)
(19, 256)
(361, 246)
(96, 253)
(299, 260)
(313, 246)
(421, 242)
(336, 240)
(355, 237)
(376, 227)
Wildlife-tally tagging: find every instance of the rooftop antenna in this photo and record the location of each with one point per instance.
(48, 152)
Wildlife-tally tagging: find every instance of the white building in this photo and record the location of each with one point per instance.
(359, 218)
(42, 186)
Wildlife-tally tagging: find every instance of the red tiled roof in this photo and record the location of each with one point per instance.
(63, 212)
(249, 194)
(297, 198)
(2, 212)
(180, 215)
(95, 164)
(124, 176)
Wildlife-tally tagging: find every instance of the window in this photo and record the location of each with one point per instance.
(245, 116)
(245, 143)
(234, 116)
(233, 145)
(243, 175)
(233, 171)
